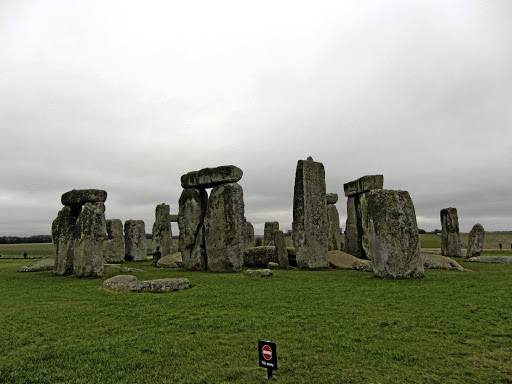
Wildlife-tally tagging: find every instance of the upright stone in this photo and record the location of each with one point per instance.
(271, 227)
(450, 240)
(391, 237)
(192, 208)
(281, 250)
(63, 229)
(333, 218)
(476, 241)
(135, 240)
(309, 227)
(248, 235)
(224, 227)
(90, 231)
(114, 246)
(162, 234)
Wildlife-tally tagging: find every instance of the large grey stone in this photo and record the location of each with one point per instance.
(129, 283)
(309, 228)
(268, 233)
(450, 240)
(90, 233)
(224, 228)
(476, 241)
(363, 184)
(390, 234)
(114, 246)
(333, 219)
(342, 260)
(41, 265)
(211, 177)
(63, 229)
(258, 273)
(82, 196)
(331, 198)
(492, 259)
(259, 256)
(135, 240)
(281, 251)
(354, 228)
(174, 260)
(248, 235)
(433, 261)
(192, 208)
(162, 233)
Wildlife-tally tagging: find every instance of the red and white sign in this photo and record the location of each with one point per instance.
(266, 352)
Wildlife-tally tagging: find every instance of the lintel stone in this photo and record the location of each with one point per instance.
(363, 184)
(82, 196)
(211, 177)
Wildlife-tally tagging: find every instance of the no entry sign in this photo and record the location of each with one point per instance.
(267, 356)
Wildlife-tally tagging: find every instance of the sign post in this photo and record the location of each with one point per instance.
(267, 356)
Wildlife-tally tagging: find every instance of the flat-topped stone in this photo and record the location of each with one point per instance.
(332, 198)
(129, 283)
(492, 259)
(211, 177)
(363, 184)
(82, 196)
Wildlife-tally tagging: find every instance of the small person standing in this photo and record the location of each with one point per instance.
(501, 247)
(25, 255)
(156, 256)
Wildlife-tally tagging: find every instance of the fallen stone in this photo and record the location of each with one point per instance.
(432, 261)
(363, 184)
(129, 283)
(211, 177)
(174, 260)
(492, 259)
(42, 265)
(258, 272)
(342, 260)
(272, 265)
(82, 196)
(476, 241)
(259, 256)
(122, 269)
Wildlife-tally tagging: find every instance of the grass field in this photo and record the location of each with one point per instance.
(330, 327)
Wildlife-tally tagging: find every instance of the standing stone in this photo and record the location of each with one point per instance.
(63, 229)
(354, 230)
(114, 246)
(309, 227)
(135, 240)
(268, 233)
(192, 208)
(391, 237)
(162, 234)
(224, 228)
(90, 231)
(333, 218)
(450, 240)
(476, 241)
(281, 250)
(248, 235)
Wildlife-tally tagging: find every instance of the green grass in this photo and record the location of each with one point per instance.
(330, 327)
(35, 250)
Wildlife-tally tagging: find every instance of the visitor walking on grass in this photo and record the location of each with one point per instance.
(156, 256)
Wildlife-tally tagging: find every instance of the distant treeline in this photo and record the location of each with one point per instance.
(24, 240)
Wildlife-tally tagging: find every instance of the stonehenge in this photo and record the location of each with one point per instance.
(212, 229)
(476, 241)
(114, 245)
(333, 220)
(135, 240)
(309, 227)
(162, 233)
(450, 240)
(268, 234)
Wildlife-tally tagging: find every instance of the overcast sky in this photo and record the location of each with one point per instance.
(127, 96)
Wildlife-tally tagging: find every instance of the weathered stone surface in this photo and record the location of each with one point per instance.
(354, 228)
(174, 260)
(292, 256)
(259, 256)
(331, 198)
(390, 234)
(135, 240)
(192, 209)
(224, 228)
(309, 228)
(476, 241)
(492, 259)
(162, 234)
(248, 235)
(90, 232)
(211, 177)
(333, 219)
(42, 265)
(258, 273)
(432, 261)
(363, 184)
(82, 196)
(173, 218)
(268, 233)
(450, 240)
(63, 229)
(281, 251)
(129, 283)
(272, 265)
(342, 260)
(114, 246)
(120, 268)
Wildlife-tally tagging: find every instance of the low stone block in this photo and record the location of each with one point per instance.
(129, 283)
(259, 256)
(342, 260)
(174, 260)
(363, 184)
(82, 196)
(258, 272)
(492, 259)
(42, 265)
(432, 261)
(211, 177)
